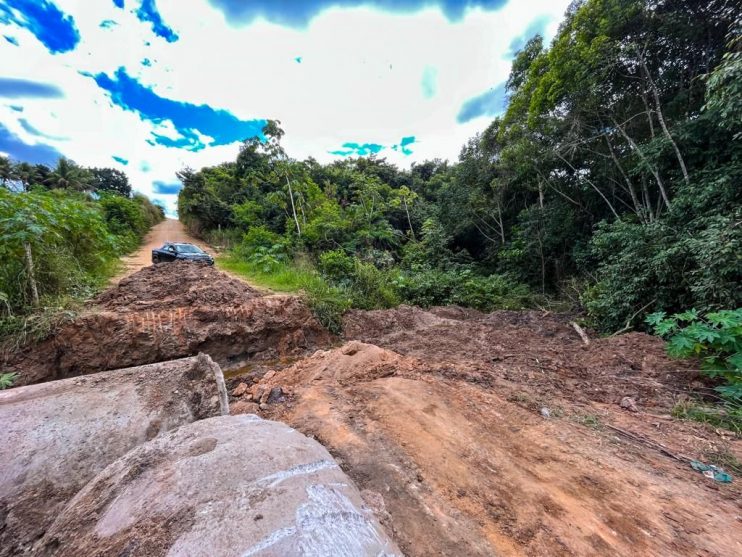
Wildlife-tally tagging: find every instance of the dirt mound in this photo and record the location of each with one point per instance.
(176, 285)
(172, 311)
(459, 469)
(530, 350)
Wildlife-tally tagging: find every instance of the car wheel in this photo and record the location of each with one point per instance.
(155, 260)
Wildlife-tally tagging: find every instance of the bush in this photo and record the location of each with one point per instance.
(125, 219)
(371, 288)
(328, 303)
(70, 246)
(7, 380)
(716, 339)
(71, 241)
(431, 287)
(658, 266)
(367, 286)
(336, 266)
(259, 237)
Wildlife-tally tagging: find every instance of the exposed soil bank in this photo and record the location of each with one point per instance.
(171, 311)
(442, 422)
(467, 434)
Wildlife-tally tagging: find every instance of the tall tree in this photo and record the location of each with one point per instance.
(110, 180)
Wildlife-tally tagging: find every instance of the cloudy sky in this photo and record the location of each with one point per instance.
(150, 86)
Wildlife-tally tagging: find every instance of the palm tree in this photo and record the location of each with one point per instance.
(68, 175)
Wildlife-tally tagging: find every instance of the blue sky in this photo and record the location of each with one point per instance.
(148, 87)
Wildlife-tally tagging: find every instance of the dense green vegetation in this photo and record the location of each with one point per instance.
(612, 179)
(716, 340)
(62, 232)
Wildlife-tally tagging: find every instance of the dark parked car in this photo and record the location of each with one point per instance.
(188, 252)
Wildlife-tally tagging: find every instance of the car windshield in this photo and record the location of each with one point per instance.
(187, 248)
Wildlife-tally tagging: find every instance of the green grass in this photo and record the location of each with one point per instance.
(281, 277)
(327, 302)
(726, 416)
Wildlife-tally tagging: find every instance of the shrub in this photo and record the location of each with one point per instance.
(67, 238)
(367, 286)
(372, 288)
(716, 339)
(660, 266)
(328, 303)
(258, 237)
(336, 265)
(7, 380)
(431, 287)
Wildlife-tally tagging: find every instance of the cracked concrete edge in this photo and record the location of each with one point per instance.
(206, 361)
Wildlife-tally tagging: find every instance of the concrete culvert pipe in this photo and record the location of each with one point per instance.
(229, 486)
(59, 435)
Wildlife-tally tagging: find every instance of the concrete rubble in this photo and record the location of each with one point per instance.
(59, 435)
(225, 486)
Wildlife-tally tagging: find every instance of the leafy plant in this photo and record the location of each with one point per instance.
(268, 258)
(7, 380)
(715, 338)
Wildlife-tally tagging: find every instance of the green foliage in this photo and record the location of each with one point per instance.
(125, 219)
(336, 265)
(110, 180)
(431, 287)
(328, 303)
(724, 85)
(70, 245)
(63, 243)
(367, 286)
(614, 167)
(715, 338)
(7, 380)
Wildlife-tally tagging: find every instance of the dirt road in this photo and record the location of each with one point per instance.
(169, 230)
(467, 433)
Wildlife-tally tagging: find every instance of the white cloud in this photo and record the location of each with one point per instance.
(359, 79)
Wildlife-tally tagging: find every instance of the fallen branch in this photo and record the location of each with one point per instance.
(651, 444)
(581, 332)
(628, 323)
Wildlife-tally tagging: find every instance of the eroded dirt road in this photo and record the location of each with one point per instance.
(169, 230)
(468, 433)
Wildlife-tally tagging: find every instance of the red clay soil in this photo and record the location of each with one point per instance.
(171, 311)
(440, 423)
(468, 434)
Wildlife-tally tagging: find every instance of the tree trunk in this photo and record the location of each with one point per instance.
(661, 118)
(652, 169)
(293, 207)
(637, 204)
(31, 277)
(499, 222)
(592, 185)
(409, 221)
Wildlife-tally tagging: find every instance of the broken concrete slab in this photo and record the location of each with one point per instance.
(59, 435)
(221, 487)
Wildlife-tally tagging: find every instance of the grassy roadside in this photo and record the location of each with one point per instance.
(278, 277)
(327, 302)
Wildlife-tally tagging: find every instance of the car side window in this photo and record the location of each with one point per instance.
(170, 248)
